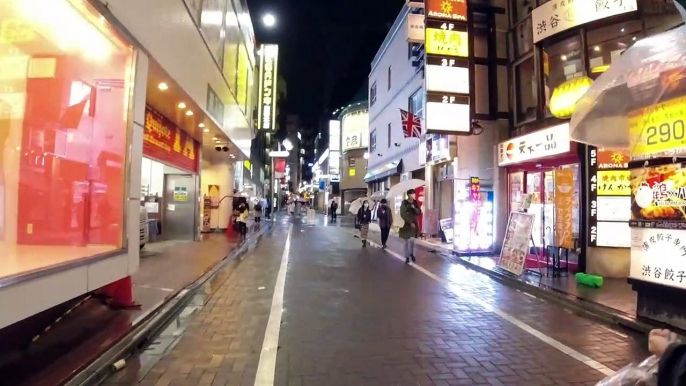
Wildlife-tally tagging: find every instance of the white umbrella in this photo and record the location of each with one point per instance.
(377, 196)
(357, 204)
(400, 188)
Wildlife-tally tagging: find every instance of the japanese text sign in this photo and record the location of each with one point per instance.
(516, 242)
(659, 256)
(659, 193)
(455, 10)
(560, 15)
(614, 183)
(164, 141)
(564, 207)
(474, 189)
(543, 143)
(658, 128)
(269, 58)
(446, 42)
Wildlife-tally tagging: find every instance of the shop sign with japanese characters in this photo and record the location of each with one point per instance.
(516, 242)
(355, 130)
(560, 15)
(564, 207)
(455, 10)
(659, 193)
(614, 183)
(543, 143)
(268, 78)
(446, 42)
(166, 142)
(415, 28)
(659, 256)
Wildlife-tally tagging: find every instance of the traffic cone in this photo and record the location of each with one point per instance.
(122, 294)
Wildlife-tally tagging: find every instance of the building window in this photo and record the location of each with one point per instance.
(526, 91)
(416, 103)
(523, 38)
(389, 134)
(606, 44)
(372, 141)
(523, 9)
(562, 61)
(65, 107)
(351, 162)
(372, 94)
(389, 77)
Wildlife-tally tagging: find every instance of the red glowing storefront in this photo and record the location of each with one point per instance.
(65, 89)
(531, 161)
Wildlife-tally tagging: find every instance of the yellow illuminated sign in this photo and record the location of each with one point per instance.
(246, 163)
(658, 128)
(446, 42)
(351, 172)
(266, 109)
(614, 183)
(565, 96)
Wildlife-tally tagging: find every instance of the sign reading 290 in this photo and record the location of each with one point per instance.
(658, 128)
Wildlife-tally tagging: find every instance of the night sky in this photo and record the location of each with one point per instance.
(326, 48)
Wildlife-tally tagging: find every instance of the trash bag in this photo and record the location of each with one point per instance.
(643, 374)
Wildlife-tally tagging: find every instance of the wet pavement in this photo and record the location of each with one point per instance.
(360, 316)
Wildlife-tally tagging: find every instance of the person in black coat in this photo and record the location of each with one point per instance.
(385, 216)
(364, 217)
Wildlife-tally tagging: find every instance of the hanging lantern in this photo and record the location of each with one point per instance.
(565, 96)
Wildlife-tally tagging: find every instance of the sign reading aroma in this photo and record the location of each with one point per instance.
(269, 59)
(446, 9)
(164, 141)
(560, 15)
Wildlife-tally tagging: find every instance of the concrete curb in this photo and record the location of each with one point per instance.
(146, 331)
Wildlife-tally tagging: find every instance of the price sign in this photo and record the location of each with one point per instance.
(659, 128)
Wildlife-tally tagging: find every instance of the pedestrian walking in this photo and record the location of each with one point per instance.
(243, 214)
(364, 217)
(410, 212)
(258, 212)
(385, 216)
(334, 210)
(267, 210)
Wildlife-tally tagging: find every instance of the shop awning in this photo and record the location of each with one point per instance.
(389, 169)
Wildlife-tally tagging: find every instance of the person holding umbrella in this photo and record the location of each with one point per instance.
(410, 212)
(364, 217)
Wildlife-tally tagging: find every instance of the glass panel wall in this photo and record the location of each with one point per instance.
(526, 90)
(65, 81)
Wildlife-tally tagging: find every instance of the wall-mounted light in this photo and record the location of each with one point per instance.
(201, 124)
(181, 105)
(163, 86)
(189, 113)
(206, 131)
(365, 155)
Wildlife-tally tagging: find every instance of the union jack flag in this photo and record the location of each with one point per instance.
(412, 126)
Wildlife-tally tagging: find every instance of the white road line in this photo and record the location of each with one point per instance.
(267, 365)
(455, 289)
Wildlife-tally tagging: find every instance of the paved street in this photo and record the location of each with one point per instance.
(354, 316)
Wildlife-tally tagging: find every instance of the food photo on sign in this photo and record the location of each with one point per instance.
(659, 193)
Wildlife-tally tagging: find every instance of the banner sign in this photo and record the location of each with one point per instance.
(564, 207)
(659, 256)
(415, 28)
(447, 42)
(516, 242)
(164, 141)
(269, 59)
(659, 193)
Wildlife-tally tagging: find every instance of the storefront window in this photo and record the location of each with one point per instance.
(562, 61)
(64, 93)
(516, 186)
(526, 90)
(606, 44)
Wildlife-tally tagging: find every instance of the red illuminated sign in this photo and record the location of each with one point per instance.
(164, 141)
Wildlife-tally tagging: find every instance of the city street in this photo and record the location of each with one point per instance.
(360, 316)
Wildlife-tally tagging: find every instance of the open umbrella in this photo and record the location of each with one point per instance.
(357, 204)
(629, 105)
(402, 187)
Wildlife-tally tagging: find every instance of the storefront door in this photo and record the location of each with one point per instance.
(179, 207)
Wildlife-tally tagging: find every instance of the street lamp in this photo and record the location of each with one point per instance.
(269, 20)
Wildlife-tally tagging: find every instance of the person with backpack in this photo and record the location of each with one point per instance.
(410, 212)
